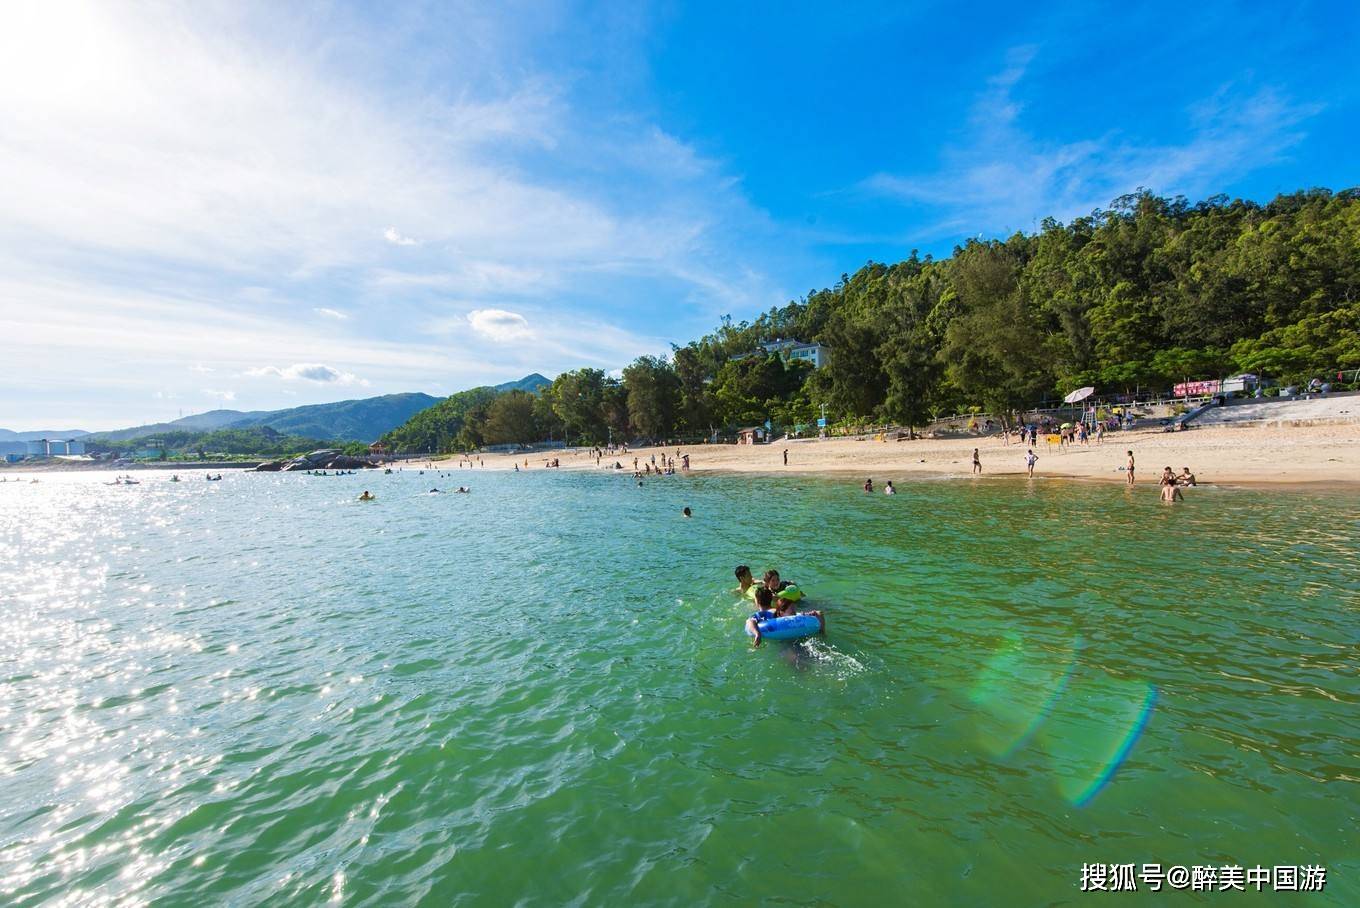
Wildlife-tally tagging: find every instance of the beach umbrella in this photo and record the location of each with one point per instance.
(1079, 394)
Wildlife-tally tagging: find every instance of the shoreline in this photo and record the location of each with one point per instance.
(1318, 457)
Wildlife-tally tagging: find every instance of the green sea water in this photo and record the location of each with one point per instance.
(261, 691)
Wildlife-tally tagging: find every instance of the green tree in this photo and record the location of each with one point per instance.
(993, 349)
(653, 394)
(578, 397)
(510, 419)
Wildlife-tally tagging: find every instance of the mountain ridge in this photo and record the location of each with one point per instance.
(359, 419)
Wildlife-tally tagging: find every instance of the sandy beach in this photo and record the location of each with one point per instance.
(1323, 454)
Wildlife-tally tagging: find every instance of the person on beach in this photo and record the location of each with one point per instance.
(868, 486)
(977, 464)
(888, 489)
(786, 457)
(1186, 478)
(1129, 468)
(684, 462)
(1168, 477)
(1030, 459)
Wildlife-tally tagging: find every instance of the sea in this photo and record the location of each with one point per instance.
(261, 691)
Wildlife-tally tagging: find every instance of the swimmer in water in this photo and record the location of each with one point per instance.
(367, 496)
(888, 489)
(778, 587)
(764, 600)
(868, 485)
(687, 513)
(744, 580)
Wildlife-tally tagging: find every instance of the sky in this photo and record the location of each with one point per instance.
(256, 206)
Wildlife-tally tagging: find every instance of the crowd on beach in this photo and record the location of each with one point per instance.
(1170, 481)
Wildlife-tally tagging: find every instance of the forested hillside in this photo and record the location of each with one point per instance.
(1145, 294)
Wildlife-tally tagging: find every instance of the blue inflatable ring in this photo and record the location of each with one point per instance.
(790, 627)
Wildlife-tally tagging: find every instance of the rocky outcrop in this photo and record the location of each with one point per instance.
(317, 460)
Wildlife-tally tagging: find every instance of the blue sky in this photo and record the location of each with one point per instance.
(259, 206)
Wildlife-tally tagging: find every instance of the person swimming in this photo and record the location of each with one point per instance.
(782, 589)
(764, 599)
(745, 582)
(769, 606)
(687, 512)
(368, 496)
(888, 489)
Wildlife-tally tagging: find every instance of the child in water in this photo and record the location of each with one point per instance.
(769, 607)
(782, 589)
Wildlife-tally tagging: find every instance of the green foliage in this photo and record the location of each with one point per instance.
(254, 441)
(578, 399)
(653, 396)
(439, 429)
(1315, 345)
(1148, 293)
(510, 419)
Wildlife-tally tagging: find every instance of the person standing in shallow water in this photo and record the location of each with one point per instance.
(1030, 459)
(868, 485)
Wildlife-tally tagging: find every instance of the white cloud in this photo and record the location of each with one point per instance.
(313, 372)
(220, 395)
(247, 154)
(397, 239)
(1003, 178)
(336, 314)
(499, 325)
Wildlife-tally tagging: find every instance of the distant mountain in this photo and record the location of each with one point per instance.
(530, 383)
(198, 422)
(7, 435)
(345, 420)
